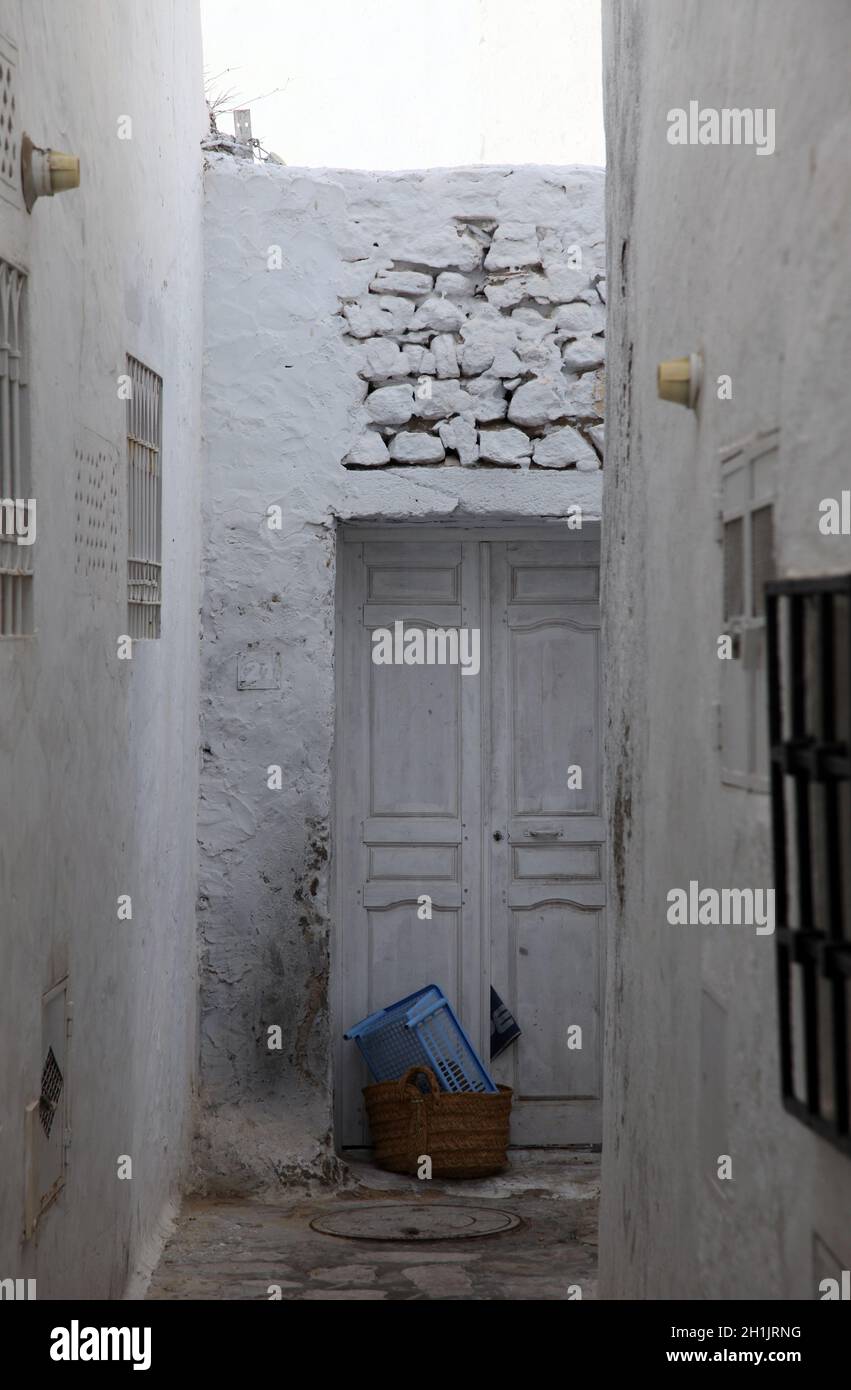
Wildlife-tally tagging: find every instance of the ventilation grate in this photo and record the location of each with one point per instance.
(10, 149)
(96, 511)
(51, 1089)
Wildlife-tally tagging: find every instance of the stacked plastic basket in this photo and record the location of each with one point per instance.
(433, 1098)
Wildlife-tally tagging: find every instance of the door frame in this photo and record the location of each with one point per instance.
(486, 528)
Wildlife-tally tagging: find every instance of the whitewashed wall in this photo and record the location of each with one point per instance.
(743, 258)
(98, 757)
(306, 324)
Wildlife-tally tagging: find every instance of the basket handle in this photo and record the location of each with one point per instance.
(419, 1070)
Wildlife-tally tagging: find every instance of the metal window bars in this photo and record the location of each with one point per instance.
(144, 441)
(15, 482)
(809, 714)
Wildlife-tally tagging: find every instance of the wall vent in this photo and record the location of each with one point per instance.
(97, 524)
(47, 1118)
(52, 1082)
(10, 135)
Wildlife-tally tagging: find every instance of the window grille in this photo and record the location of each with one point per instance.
(809, 717)
(144, 440)
(747, 537)
(15, 480)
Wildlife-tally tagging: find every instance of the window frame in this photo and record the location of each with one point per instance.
(144, 433)
(747, 629)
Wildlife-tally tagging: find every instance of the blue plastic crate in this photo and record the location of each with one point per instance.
(421, 1029)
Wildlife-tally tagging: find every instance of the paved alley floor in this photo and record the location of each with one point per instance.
(241, 1249)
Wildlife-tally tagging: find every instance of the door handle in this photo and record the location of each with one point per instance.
(545, 834)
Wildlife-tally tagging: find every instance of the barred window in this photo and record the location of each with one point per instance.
(809, 720)
(17, 508)
(144, 482)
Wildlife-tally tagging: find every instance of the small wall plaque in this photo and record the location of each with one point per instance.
(258, 671)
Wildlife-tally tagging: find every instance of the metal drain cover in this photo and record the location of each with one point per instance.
(415, 1221)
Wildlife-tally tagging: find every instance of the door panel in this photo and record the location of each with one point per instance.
(408, 756)
(432, 766)
(546, 870)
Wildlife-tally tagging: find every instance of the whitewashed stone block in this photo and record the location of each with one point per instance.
(505, 294)
(583, 354)
(562, 447)
(506, 446)
(462, 436)
(445, 354)
(378, 314)
(444, 315)
(420, 360)
(391, 405)
(505, 363)
(514, 246)
(444, 248)
(446, 398)
(535, 403)
(566, 283)
(405, 282)
(369, 451)
(584, 396)
(577, 319)
(489, 401)
(381, 358)
(454, 285)
(413, 447)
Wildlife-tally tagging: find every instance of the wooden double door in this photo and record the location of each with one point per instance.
(474, 796)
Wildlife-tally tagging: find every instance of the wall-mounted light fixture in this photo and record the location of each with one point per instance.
(679, 380)
(45, 172)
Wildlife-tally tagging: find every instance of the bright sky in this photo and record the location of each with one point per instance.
(394, 84)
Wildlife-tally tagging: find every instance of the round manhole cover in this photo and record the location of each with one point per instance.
(397, 1221)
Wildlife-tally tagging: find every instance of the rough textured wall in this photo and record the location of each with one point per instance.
(757, 248)
(297, 345)
(99, 756)
(481, 341)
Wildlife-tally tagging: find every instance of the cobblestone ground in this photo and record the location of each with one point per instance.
(237, 1249)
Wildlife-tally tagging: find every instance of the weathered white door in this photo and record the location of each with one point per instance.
(483, 792)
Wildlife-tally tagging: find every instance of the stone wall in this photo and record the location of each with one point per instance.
(482, 344)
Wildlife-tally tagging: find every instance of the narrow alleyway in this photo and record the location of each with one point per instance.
(238, 1249)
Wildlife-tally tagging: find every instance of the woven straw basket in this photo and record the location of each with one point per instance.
(465, 1134)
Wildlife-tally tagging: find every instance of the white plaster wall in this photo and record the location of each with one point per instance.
(745, 259)
(99, 756)
(282, 408)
